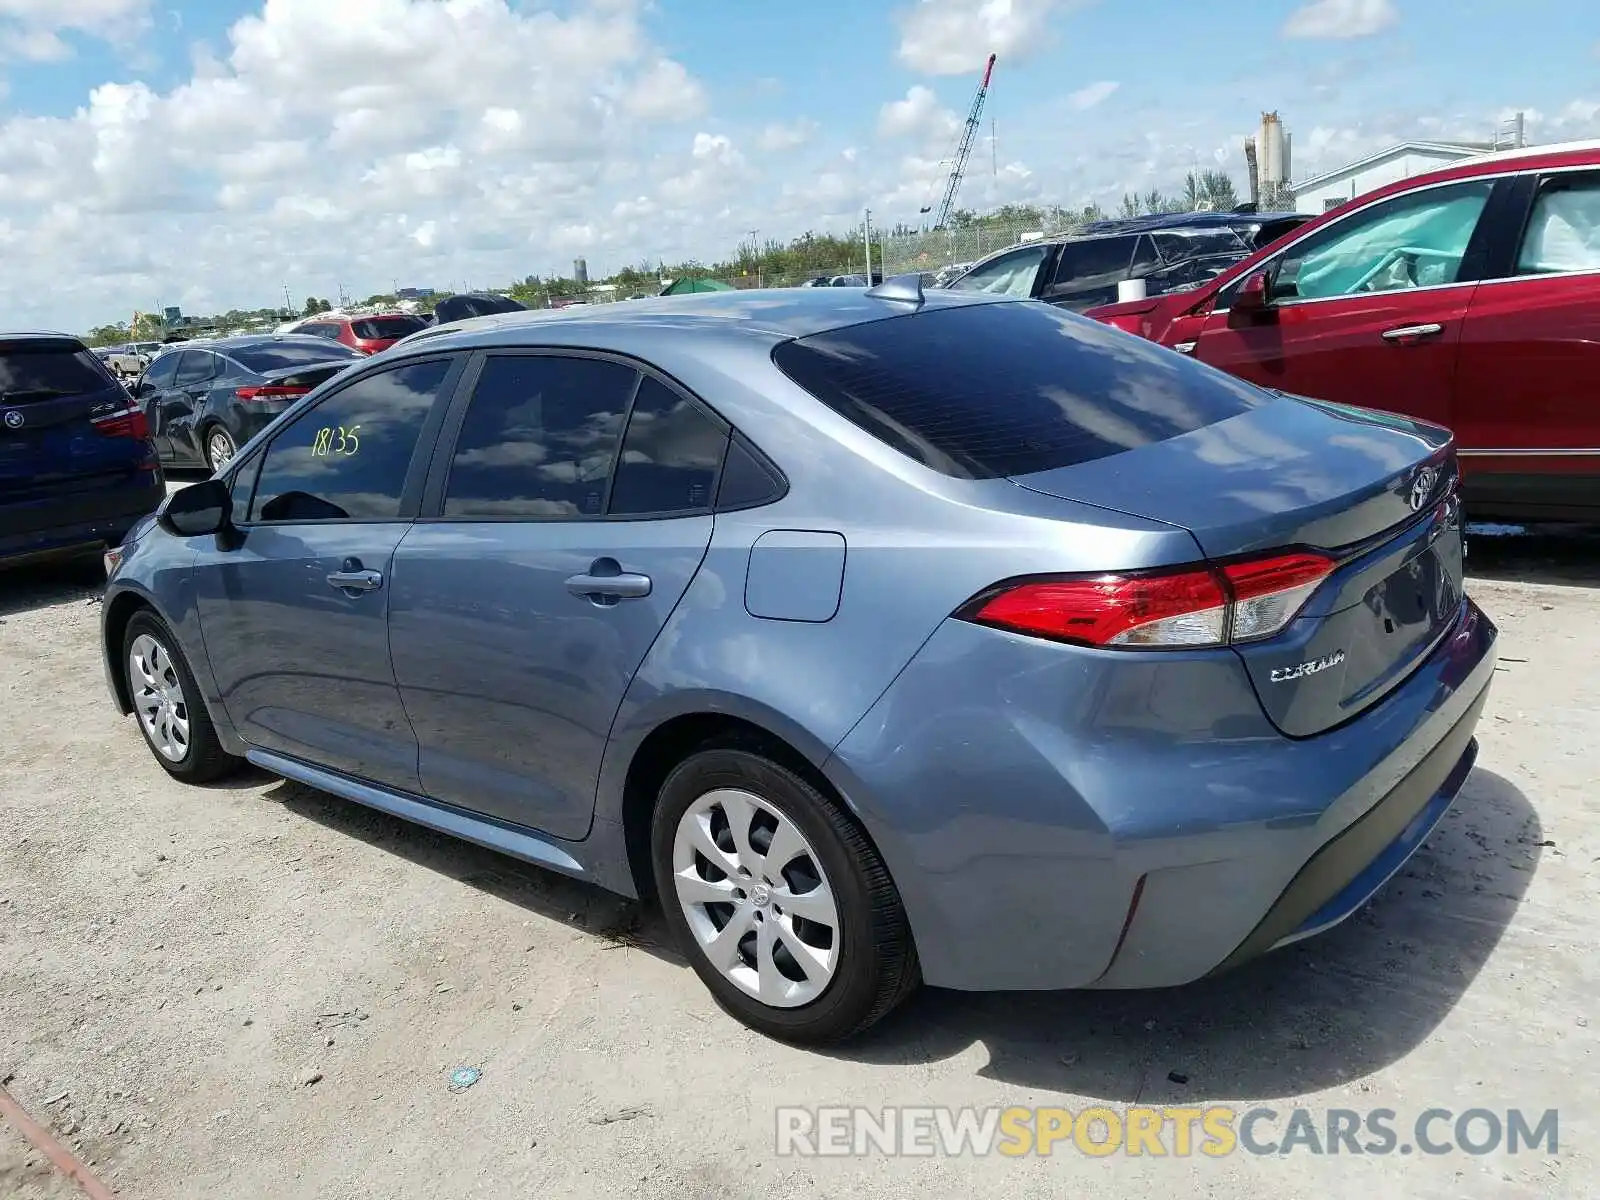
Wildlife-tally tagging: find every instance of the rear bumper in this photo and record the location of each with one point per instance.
(1058, 818)
(62, 525)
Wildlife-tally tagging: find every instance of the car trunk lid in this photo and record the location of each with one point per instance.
(1377, 494)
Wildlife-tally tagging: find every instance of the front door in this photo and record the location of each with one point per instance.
(1367, 310)
(1525, 408)
(181, 403)
(295, 612)
(153, 392)
(524, 605)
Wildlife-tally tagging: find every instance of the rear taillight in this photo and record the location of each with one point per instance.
(124, 421)
(1189, 606)
(269, 393)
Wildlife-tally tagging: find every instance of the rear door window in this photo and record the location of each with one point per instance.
(46, 368)
(539, 438)
(1093, 263)
(1563, 232)
(987, 390)
(196, 366)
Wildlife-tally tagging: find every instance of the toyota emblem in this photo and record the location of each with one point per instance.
(13, 419)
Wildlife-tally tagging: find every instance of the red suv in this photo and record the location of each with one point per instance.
(1469, 296)
(367, 335)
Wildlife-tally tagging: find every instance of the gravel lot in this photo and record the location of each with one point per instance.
(177, 964)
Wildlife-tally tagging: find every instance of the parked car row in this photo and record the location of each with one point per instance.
(1469, 297)
(1081, 269)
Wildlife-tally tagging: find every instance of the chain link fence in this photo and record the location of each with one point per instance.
(937, 251)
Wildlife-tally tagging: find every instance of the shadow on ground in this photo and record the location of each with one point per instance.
(38, 585)
(1566, 554)
(1331, 1010)
(579, 905)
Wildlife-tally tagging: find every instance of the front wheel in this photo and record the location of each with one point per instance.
(777, 898)
(167, 703)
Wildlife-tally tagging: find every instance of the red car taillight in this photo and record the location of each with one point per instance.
(1189, 606)
(125, 422)
(268, 393)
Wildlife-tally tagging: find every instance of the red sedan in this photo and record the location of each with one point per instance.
(1469, 296)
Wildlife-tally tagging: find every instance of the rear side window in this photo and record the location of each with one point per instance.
(1096, 262)
(987, 390)
(1563, 232)
(539, 438)
(377, 328)
(38, 369)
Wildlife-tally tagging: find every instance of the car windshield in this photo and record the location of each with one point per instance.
(377, 328)
(279, 356)
(49, 368)
(1177, 244)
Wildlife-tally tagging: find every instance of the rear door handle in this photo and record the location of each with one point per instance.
(1407, 334)
(622, 586)
(356, 581)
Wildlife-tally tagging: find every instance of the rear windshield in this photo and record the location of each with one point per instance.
(386, 327)
(36, 370)
(985, 390)
(278, 356)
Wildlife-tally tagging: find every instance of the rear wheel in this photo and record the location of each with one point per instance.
(777, 898)
(219, 448)
(167, 703)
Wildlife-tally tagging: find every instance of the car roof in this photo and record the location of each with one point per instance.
(1176, 221)
(24, 335)
(768, 315)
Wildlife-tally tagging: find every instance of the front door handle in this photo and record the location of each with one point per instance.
(356, 581)
(1408, 334)
(606, 582)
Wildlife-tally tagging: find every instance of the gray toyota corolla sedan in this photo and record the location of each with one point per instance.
(883, 637)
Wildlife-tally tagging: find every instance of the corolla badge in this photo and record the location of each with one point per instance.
(13, 419)
(1422, 487)
(1301, 670)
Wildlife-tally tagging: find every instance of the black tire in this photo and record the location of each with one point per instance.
(877, 966)
(212, 433)
(204, 759)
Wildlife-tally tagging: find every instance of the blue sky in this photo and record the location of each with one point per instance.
(206, 152)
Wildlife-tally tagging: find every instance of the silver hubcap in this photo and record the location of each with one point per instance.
(221, 449)
(158, 697)
(756, 898)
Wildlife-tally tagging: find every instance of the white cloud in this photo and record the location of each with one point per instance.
(951, 37)
(667, 92)
(779, 136)
(30, 29)
(918, 115)
(1095, 93)
(1341, 19)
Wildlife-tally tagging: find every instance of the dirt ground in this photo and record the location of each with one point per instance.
(178, 965)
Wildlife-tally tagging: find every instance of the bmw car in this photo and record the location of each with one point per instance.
(882, 637)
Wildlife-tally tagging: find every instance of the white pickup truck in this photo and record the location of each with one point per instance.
(130, 361)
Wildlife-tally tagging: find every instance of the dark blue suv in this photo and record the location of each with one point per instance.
(77, 468)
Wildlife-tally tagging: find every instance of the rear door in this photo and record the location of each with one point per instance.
(1367, 310)
(295, 612)
(64, 434)
(1525, 408)
(525, 602)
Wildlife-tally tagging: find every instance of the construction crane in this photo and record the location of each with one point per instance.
(963, 150)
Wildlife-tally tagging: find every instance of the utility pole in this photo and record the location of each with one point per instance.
(755, 249)
(866, 235)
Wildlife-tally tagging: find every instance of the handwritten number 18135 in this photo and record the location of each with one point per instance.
(336, 440)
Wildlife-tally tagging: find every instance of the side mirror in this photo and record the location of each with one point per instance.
(198, 509)
(1253, 298)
